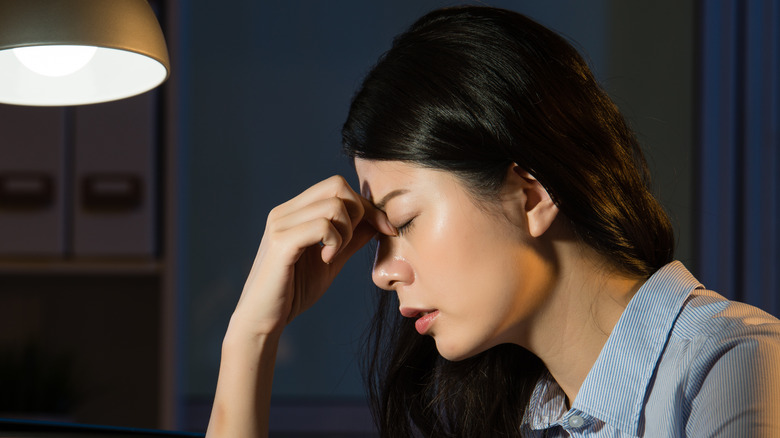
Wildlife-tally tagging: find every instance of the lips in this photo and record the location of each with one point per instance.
(425, 318)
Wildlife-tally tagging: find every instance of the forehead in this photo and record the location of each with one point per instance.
(380, 177)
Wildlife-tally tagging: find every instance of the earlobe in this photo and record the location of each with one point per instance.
(536, 205)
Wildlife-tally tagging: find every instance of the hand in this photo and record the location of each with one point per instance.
(306, 242)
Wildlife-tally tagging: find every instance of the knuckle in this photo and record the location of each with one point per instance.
(339, 185)
(335, 205)
(337, 211)
(274, 213)
(338, 180)
(328, 231)
(323, 225)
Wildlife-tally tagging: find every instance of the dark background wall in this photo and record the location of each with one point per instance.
(250, 117)
(266, 87)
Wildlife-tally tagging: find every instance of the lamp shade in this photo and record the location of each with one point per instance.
(73, 52)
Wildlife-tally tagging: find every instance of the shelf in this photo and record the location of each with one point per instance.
(80, 267)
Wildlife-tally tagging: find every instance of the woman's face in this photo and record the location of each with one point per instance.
(464, 272)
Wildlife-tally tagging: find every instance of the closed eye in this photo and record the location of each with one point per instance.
(403, 229)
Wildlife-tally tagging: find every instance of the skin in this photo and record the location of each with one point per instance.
(456, 257)
(290, 273)
(505, 270)
(513, 273)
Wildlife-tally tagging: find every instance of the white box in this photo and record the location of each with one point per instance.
(115, 179)
(32, 203)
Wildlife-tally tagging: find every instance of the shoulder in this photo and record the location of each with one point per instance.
(712, 330)
(731, 355)
(717, 372)
(707, 317)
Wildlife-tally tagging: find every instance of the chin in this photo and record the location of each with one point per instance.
(456, 352)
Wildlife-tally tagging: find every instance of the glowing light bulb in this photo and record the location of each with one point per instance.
(55, 61)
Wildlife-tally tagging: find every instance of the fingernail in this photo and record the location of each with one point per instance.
(391, 227)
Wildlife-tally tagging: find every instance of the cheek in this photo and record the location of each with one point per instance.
(468, 259)
(447, 250)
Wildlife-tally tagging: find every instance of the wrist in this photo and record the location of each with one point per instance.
(240, 334)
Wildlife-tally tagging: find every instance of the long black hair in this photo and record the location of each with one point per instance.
(473, 90)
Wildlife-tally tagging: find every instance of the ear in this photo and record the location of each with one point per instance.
(527, 201)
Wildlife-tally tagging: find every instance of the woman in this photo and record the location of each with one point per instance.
(533, 287)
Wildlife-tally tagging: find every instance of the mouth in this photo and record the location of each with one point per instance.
(409, 312)
(425, 318)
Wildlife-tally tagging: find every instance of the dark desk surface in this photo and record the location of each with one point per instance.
(45, 429)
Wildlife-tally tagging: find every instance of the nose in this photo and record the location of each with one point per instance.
(390, 270)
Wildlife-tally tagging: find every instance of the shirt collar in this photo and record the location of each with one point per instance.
(547, 405)
(615, 389)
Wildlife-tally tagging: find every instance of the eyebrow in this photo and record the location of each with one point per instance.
(381, 204)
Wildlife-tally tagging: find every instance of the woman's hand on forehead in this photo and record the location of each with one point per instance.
(306, 242)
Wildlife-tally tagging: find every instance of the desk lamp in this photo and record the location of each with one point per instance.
(74, 52)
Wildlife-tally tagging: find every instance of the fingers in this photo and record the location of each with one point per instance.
(327, 214)
(373, 221)
(377, 218)
(332, 209)
(363, 234)
(306, 234)
(333, 187)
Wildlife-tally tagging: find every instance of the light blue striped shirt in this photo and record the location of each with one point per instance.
(682, 361)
